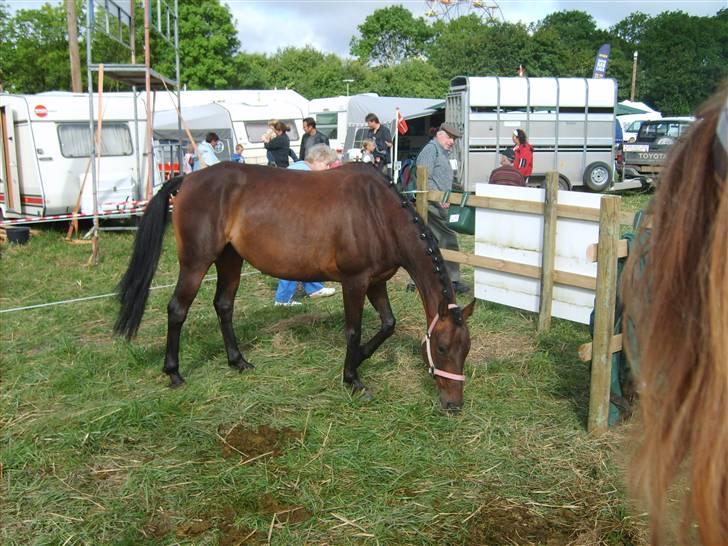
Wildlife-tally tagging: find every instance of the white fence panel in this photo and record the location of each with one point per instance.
(518, 237)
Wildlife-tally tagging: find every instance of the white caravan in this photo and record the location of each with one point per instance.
(44, 156)
(331, 115)
(241, 117)
(570, 122)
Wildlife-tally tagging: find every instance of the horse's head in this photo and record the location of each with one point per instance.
(444, 350)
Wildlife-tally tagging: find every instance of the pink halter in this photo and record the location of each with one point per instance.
(434, 371)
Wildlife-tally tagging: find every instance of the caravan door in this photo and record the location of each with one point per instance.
(9, 162)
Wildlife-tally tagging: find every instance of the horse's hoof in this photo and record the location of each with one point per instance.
(365, 395)
(361, 392)
(175, 381)
(242, 365)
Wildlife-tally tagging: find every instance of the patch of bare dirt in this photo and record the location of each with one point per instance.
(193, 528)
(269, 505)
(230, 535)
(504, 522)
(500, 523)
(251, 443)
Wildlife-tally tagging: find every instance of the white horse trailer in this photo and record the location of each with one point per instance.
(570, 122)
(46, 144)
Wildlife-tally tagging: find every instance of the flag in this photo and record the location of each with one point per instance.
(600, 63)
(402, 127)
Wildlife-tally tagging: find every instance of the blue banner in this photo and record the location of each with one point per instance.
(600, 63)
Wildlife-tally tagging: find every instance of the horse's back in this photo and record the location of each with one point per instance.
(310, 225)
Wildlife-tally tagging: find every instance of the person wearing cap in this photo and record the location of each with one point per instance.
(523, 152)
(506, 174)
(435, 156)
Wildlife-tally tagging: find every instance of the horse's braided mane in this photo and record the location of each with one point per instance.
(432, 249)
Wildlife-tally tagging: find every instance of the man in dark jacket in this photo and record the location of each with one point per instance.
(382, 139)
(311, 137)
(506, 174)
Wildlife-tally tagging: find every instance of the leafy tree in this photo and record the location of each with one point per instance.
(630, 29)
(208, 42)
(391, 35)
(574, 40)
(5, 47)
(685, 59)
(251, 71)
(414, 78)
(467, 46)
(308, 71)
(35, 50)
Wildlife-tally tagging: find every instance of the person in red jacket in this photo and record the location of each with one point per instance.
(523, 152)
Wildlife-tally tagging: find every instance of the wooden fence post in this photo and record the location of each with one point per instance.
(601, 371)
(548, 254)
(421, 195)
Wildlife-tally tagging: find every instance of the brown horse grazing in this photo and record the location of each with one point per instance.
(346, 225)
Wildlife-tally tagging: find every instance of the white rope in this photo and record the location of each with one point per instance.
(89, 298)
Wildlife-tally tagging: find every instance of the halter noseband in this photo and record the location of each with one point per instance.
(434, 371)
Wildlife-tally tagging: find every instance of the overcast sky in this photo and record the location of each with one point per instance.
(328, 25)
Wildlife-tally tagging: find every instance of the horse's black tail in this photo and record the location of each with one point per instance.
(134, 286)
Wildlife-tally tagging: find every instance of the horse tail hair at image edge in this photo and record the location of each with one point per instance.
(134, 286)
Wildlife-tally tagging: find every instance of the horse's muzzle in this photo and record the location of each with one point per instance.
(452, 407)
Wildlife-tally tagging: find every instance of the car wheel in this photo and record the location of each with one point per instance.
(597, 176)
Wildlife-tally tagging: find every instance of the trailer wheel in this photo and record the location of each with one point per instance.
(597, 176)
(564, 183)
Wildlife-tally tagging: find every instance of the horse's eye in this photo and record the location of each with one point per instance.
(442, 350)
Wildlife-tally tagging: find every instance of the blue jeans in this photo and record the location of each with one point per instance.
(286, 289)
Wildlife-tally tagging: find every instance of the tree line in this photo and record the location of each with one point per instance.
(682, 58)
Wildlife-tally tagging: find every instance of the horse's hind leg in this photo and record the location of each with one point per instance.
(229, 264)
(379, 299)
(188, 283)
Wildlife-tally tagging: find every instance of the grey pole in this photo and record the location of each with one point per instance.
(634, 76)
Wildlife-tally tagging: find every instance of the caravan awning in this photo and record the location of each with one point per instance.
(385, 108)
(200, 120)
(627, 107)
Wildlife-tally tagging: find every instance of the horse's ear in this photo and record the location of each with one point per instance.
(442, 309)
(468, 310)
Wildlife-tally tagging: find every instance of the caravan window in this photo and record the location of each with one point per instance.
(359, 137)
(75, 141)
(328, 123)
(256, 129)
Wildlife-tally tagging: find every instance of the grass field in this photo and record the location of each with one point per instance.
(95, 449)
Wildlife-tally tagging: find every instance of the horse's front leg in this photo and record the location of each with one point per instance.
(353, 292)
(228, 265)
(379, 299)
